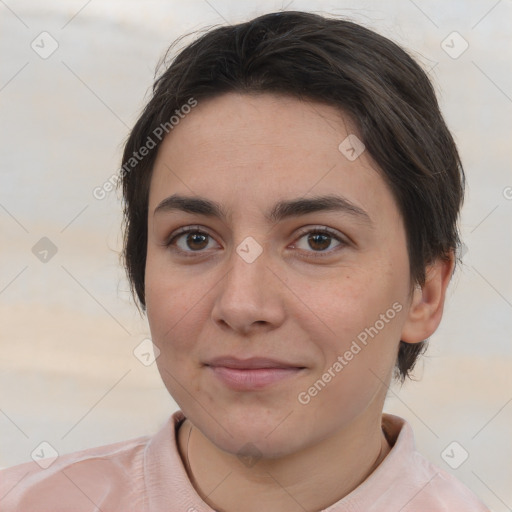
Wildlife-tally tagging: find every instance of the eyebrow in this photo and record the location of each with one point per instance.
(281, 210)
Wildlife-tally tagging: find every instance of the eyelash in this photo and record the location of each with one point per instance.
(315, 254)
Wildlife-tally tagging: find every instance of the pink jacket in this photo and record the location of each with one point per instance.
(146, 474)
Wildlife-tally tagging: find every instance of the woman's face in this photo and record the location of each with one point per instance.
(271, 332)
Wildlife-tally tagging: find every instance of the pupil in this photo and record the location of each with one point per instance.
(195, 238)
(315, 238)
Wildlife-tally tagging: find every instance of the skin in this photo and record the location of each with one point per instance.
(247, 152)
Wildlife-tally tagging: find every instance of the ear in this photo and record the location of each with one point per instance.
(427, 304)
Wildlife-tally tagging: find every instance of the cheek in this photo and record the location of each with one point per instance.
(174, 315)
(164, 286)
(356, 362)
(359, 315)
(170, 300)
(344, 306)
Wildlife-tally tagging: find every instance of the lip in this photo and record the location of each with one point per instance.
(253, 373)
(250, 363)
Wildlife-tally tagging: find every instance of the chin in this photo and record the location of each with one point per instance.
(260, 437)
(247, 446)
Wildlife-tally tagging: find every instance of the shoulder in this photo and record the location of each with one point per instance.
(89, 479)
(407, 481)
(440, 490)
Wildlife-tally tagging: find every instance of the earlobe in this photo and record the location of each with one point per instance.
(427, 303)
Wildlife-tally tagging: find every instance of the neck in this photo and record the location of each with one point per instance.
(311, 479)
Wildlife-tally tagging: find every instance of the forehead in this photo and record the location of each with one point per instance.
(246, 151)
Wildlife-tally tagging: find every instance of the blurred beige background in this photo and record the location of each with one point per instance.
(68, 330)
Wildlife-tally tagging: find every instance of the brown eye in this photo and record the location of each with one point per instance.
(319, 241)
(189, 240)
(196, 241)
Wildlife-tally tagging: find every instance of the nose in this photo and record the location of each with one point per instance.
(250, 298)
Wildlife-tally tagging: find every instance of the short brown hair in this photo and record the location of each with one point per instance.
(337, 62)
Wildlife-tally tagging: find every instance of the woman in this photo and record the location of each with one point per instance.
(291, 198)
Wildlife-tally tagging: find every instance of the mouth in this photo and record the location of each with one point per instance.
(252, 374)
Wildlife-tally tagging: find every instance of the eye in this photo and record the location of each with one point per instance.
(195, 240)
(319, 240)
(192, 239)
